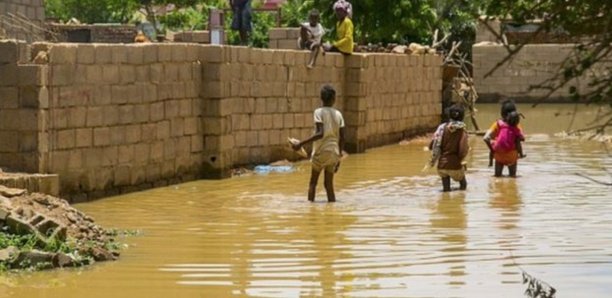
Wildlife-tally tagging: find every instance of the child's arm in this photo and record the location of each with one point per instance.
(488, 142)
(341, 147)
(316, 136)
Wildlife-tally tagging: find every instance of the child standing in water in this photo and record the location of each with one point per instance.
(328, 144)
(449, 147)
(504, 139)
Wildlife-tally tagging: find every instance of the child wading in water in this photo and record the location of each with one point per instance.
(328, 144)
(449, 147)
(504, 140)
(310, 36)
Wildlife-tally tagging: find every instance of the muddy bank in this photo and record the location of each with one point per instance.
(41, 231)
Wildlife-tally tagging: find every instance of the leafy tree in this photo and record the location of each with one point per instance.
(91, 11)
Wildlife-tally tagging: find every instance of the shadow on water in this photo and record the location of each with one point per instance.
(393, 233)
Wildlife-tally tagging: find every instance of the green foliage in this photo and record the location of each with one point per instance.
(92, 11)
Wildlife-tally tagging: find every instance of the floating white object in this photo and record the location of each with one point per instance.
(301, 152)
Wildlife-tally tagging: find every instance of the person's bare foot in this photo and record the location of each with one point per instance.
(310, 66)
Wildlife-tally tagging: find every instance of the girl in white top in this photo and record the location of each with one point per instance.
(328, 143)
(310, 36)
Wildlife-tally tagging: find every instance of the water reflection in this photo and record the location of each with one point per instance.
(392, 233)
(449, 222)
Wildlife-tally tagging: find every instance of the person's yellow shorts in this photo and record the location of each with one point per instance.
(456, 175)
(326, 160)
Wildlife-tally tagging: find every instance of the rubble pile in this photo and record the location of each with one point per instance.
(50, 231)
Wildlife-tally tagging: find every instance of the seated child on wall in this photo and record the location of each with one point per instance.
(504, 139)
(311, 33)
(328, 144)
(450, 147)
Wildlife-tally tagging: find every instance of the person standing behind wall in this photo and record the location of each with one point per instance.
(344, 29)
(242, 19)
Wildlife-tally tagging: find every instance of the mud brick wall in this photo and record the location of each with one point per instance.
(283, 38)
(31, 9)
(123, 116)
(23, 100)
(534, 64)
(256, 98)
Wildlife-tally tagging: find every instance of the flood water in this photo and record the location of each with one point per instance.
(392, 233)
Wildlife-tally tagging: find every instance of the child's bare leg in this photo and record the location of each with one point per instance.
(329, 186)
(498, 169)
(512, 170)
(463, 184)
(446, 181)
(314, 52)
(312, 186)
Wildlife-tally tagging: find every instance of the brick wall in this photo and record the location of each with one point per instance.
(116, 118)
(22, 109)
(34, 10)
(283, 38)
(101, 33)
(534, 64)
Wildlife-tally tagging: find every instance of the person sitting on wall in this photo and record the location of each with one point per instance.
(344, 29)
(242, 19)
(310, 36)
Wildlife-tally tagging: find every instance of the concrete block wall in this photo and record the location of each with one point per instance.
(98, 33)
(533, 65)
(23, 100)
(390, 97)
(117, 118)
(283, 38)
(31, 9)
(196, 36)
(256, 98)
(123, 116)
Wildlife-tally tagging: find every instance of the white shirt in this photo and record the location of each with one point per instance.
(317, 31)
(332, 122)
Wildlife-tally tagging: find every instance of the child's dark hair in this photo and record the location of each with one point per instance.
(456, 112)
(314, 13)
(507, 107)
(513, 118)
(328, 93)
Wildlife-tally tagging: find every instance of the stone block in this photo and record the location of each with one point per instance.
(191, 125)
(101, 136)
(10, 141)
(8, 52)
(289, 44)
(86, 54)
(9, 97)
(197, 143)
(277, 33)
(164, 52)
(66, 139)
(9, 74)
(135, 54)
(150, 53)
(179, 52)
(110, 74)
(33, 75)
(177, 127)
(63, 54)
(122, 175)
(84, 137)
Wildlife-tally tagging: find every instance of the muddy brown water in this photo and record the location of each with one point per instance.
(392, 233)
